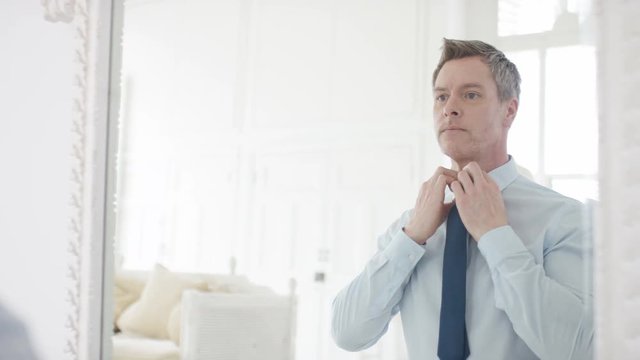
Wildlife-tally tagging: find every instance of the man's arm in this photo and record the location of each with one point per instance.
(362, 310)
(548, 304)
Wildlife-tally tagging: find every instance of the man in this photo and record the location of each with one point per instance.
(523, 294)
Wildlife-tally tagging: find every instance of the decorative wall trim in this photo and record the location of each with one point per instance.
(79, 131)
(59, 10)
(91, 20)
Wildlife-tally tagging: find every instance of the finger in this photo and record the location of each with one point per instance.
(465, 180)
(489, 179)
(447, 172)
(485, 177)
(450, 175)
(457, 189)
(441, 183)
(474, 170)
(450, 179)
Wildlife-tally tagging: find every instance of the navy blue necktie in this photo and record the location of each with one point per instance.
(452, 342)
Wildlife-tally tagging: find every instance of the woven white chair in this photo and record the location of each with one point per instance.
(219, 326)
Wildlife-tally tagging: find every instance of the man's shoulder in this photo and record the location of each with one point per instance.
(538, 212)
(531, 194)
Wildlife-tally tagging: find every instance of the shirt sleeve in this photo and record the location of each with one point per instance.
(362, 310)
(549, 304)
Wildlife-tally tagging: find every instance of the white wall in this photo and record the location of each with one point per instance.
(36, 73)
(617, 246)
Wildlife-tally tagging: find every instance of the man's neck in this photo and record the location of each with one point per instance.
(487, 165)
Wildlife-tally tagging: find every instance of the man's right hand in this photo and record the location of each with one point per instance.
(430, 209)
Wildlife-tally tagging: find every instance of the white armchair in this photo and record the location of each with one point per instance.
(237, 326)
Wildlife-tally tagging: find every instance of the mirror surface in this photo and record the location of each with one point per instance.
(276, 139)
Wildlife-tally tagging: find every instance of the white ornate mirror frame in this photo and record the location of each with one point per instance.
(617, 264)
(92, 23)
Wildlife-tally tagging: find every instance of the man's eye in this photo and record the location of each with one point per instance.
(441, 97)
(472, 95)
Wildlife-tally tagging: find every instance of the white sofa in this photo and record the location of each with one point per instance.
(161, 315)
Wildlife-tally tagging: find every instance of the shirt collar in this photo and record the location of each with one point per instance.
(505, 174)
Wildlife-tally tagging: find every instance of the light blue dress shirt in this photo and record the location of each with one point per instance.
(528, 283)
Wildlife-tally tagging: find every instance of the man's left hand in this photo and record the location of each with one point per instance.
(479, 201)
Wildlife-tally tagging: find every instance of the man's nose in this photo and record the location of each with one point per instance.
(451, 109)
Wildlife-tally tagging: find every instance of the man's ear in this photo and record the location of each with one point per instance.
(511, 109)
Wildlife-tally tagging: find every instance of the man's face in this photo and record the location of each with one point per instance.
(470, 121)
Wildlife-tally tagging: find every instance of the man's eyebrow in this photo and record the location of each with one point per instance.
(472, 85)
(464, 86)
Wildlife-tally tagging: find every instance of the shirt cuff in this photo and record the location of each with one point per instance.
(499, 244)
(403, 252)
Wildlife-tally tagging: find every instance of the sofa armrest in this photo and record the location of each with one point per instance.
(236, 326)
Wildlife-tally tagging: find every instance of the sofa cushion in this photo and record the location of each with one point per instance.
(149, 315)
(127, 290)
(173, 325)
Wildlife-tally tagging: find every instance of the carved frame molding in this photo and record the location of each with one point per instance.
(91, 20)
(59, 10)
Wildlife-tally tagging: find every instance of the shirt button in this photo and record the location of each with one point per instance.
(411, 256)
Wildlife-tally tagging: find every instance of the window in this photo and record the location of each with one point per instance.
(555, 134)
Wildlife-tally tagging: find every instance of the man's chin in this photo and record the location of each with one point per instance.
(452, 150)
(456, 154)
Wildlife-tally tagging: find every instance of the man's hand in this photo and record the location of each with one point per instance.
(430, 210)
(479, 201)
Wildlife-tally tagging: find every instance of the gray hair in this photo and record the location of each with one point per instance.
(504, 72)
